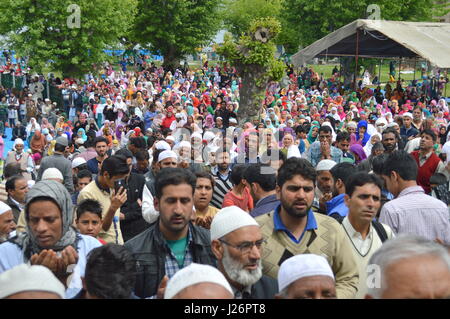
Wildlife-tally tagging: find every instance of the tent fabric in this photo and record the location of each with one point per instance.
(381, 38)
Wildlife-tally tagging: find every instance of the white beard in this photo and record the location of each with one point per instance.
(237, 273)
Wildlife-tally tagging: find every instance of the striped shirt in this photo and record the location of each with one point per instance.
(414, 212)
(222, 186)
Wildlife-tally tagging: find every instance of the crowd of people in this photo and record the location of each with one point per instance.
(152, 176)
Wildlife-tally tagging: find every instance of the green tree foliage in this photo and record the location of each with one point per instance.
(174, 28)
(238, 14)
(309, 20)
(40, 30)
(253, 57)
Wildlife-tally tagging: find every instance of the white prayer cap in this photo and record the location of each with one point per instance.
(196, 135)
(352, 124)
(52, 172)
(162, 145)
(232, 120)
(300, 266)
(408, 114)
(209, 136)
(392, 124)
(29, 278)
(229, 219)
(4, 208)
(325, 165)
(170, 138)
(179, 115)
(184, 144)
(18, 141)
(167, 154)
(78, 161)
(192, 275)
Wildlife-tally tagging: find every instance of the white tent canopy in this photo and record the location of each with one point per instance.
(380, 38)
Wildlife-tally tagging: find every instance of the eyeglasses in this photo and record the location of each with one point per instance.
(246, 246)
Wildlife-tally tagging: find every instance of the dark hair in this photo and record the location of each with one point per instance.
(206, 175)
(156, 153)
(100, 139)
(253, 174)
(378, 162)
(12, 169)
(266, 157)
(10, 184)
(237, 173)
(377, 146)
(438, 179)
(138, 142)
(91, 206)
(430, 133)
(402, 163)
(124, 152)
(296, 166)
(391, 130)
(84, 173)
(360, 179)
(325, 128)
(142, 155)
(82, 167)
(173, 176)
(110, 272)
(343, 171)
(300, 129)
(342, 136)
(60, 148)
(115, 165)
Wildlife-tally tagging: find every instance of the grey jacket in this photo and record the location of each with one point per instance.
(62, 164)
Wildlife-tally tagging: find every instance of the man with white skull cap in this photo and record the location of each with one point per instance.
(236, 243)
(306, 276)
(7, 224)
(30, 282)
(198, 281)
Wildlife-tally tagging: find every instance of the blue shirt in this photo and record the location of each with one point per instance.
(337, 206)
(313, 154)
(278, 224)
(265, 205)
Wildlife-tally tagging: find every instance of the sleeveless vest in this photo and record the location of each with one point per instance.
(426, 170)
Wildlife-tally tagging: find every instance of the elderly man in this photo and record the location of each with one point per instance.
(50, 239)
(324, 186)
(30, 282)
(409, 267)
(322, 149)
(236, 243)
(58, 160)
(18, 155)
(198, 281)
(306, 276)
(7, 224)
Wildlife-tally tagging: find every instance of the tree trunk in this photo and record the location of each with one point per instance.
(252, 92)
(348, 71)
(172, 59)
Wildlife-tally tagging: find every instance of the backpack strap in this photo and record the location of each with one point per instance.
(380, 230)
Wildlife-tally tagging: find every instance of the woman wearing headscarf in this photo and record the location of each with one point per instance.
(361, 133)
(375, 138)
(38, 142)
(81, 133)
(358, 153)
(56, 245)
(313, 133)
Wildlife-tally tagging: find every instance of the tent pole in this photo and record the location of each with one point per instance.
(399, 67)
(415, 67)
(379, 71)
(356, 57)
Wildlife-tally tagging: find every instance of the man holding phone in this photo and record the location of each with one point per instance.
(111, 196)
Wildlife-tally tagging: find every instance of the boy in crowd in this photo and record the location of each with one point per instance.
(89, 218)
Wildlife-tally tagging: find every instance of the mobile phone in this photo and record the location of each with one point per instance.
(119, 183)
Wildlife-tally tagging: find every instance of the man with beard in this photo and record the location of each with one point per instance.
(237, 243)
(101, 147)
(172, 242)
(390, 140)
(324, 188)
(292, 229)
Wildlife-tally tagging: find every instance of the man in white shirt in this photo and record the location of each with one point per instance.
(363, 199)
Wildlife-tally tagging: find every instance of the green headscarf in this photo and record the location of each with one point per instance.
(310, 138)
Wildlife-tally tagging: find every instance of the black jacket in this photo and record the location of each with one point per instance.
(19, 132)
(265, 288)
(150, 249)
(134, 223)
(15, 209)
